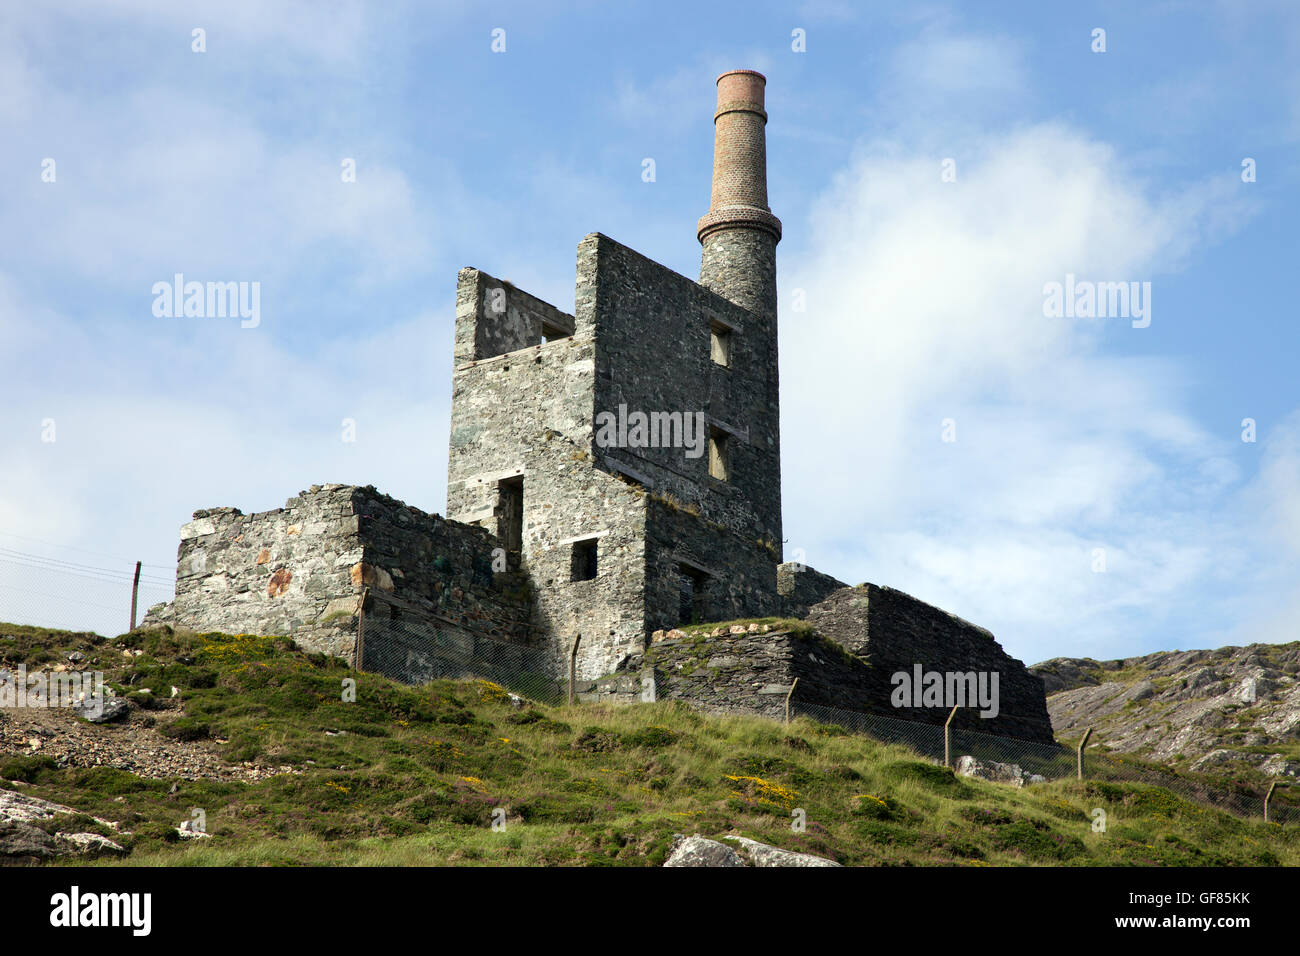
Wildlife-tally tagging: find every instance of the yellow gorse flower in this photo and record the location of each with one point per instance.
(765, 791)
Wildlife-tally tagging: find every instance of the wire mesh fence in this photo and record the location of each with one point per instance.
(1055, 762)
(88, 594)
(1048, 760)
(47, 592)
(418, 653)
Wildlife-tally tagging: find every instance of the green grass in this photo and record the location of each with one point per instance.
(416, 775)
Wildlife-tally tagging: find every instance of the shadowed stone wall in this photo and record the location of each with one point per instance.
(750, 672)
(526, 417)
(640, 341)
(800, 587)
(892, 631)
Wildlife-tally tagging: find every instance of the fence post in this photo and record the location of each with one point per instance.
(787, 699)
(947, 762)
(1083, 743)
(361, 628)
(1271, 787)
(135, 591)
(573, 666)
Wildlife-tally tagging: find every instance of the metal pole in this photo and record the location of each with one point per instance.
(135, 591)
(947, 762)
(1271, 787)
(1083, 743)
(787, 699)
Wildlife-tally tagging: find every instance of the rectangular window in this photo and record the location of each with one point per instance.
(694, 596)
(719, 457)
(583, 566)
(510, 519)
(720, 345)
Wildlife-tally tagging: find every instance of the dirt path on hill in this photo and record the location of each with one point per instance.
(126, 744)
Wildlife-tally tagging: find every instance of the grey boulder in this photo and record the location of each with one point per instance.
(699, 851)
(101, 710)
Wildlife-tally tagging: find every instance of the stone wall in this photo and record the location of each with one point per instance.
(652, 331)
(524, 412)
(526, 416)
(892, 631)
(301, 570)
(493, 317)
(800, 587)
(737, 575)
(844, 656)
(751, 671)
(421, 567)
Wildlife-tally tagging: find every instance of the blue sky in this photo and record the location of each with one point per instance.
(924, 297)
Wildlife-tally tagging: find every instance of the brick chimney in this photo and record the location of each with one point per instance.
(739, 233)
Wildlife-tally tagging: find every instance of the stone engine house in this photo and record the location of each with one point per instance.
(628, 456)
(613, 474)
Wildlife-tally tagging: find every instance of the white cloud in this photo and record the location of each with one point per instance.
(1275, 494)
(925, 303)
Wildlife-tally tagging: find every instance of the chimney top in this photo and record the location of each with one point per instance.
(739, 199)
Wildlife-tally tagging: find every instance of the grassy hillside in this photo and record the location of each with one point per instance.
(409, 775)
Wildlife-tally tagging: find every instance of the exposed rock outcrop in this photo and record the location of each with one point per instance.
(968, 766)
(1219, 710)
(23, 841)
(699, 851)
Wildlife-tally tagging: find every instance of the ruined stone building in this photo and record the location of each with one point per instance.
(612, 473)
(623, 533)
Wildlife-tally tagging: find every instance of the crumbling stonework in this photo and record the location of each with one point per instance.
(620, 537)
(800, 587)
(568, 516)
(844, 655)
(303, 569)
(751, 671)
(893, 632)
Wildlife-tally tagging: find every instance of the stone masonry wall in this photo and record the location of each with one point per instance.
(301, 570)
(652, 330)
(652, 333)
(494, 317)
(527, 415)
(844, 656)
(287, 571)
(740, 571)
(893, 631)
(423, 568)
(751, 671)
(800, 587)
